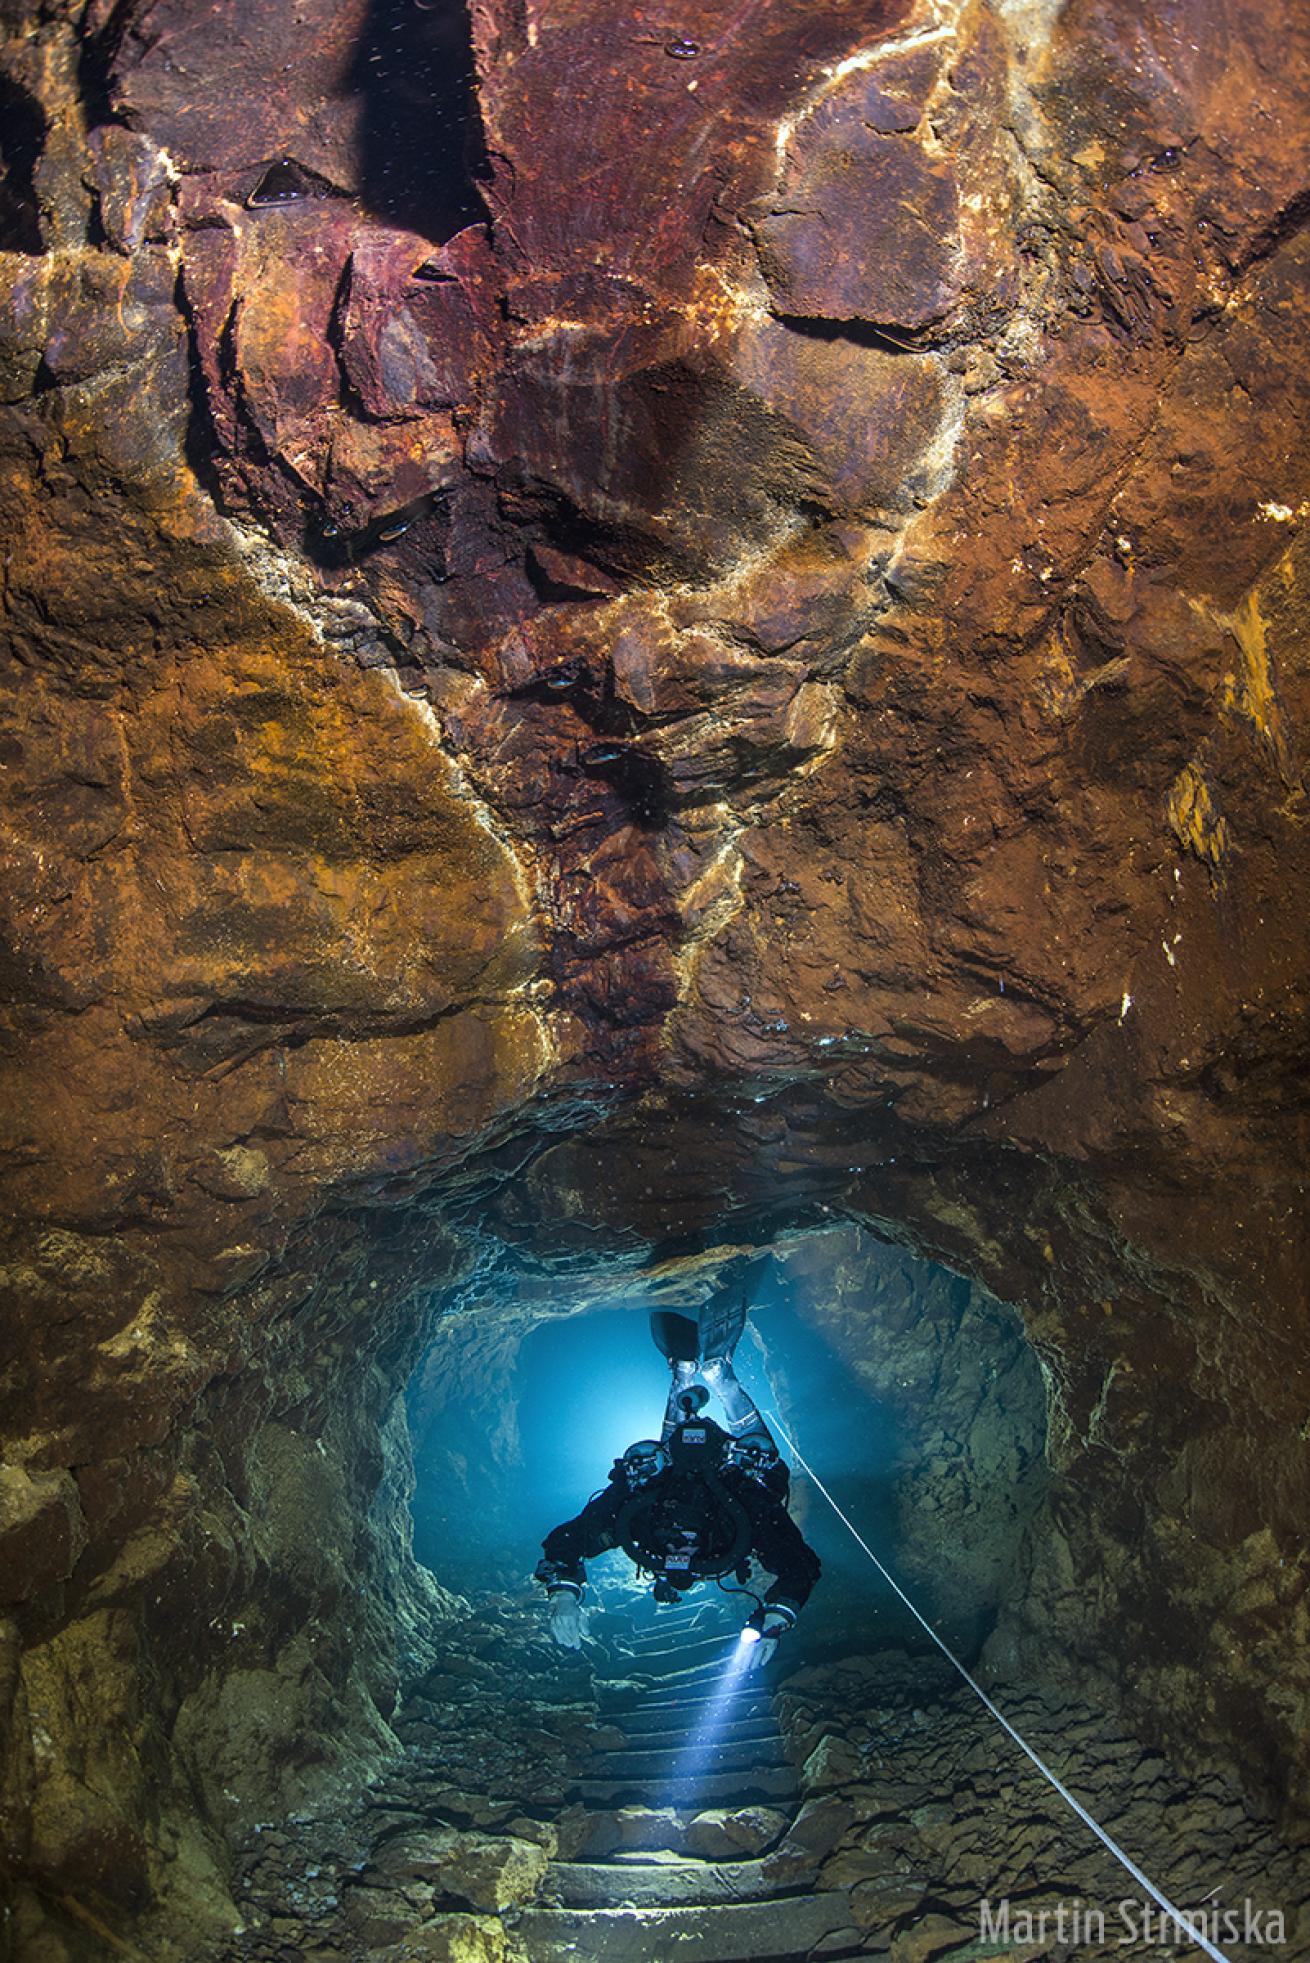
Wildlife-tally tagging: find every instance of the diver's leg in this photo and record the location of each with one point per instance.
(722, 1320)
(684, 1376)
(741, 1413)
(677, 1338)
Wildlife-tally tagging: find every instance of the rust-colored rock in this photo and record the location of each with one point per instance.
(737, 662)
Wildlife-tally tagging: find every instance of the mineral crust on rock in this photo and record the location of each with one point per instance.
(612, 648)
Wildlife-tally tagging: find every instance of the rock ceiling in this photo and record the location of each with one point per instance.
(623, 634)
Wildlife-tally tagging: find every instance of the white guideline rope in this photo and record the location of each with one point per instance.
(1201, 1940)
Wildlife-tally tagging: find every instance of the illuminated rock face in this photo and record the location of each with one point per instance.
(763, 683)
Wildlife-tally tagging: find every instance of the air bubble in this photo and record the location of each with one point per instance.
(568, 675)
(282, 183)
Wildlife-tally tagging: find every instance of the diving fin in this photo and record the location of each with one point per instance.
(675, 1336)
(723, 1315)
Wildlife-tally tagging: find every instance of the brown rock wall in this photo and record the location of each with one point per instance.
(763, 682)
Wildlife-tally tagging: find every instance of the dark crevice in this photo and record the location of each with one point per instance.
(97, 232)
(332, 542)
(200, 441)
(1280, 230)
(226, 1031)
(621, 556)
(22, 135)
(336, 339)
(229, 368)
(589, 693)
(640, 780)
(238, 1010)
(97, 55)
(421, 142)
(553, 585)
(863, 333)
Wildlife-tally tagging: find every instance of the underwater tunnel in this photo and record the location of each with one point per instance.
(634, 641)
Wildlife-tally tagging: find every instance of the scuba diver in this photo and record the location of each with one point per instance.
(696, 1503)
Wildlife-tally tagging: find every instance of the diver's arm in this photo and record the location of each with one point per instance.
(784, 1550)
(590, 1533)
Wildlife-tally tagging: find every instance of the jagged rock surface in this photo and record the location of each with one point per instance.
(936, 1812)
(940, 1440)
(912, 1824)
(761, 681)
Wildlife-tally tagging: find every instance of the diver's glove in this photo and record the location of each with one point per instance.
(568, 1624)
(768, 1623)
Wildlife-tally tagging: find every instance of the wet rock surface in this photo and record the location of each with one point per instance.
(455, 1831)
(934, 1811)
(911, 1810)
(581, 690)
(930, 1404)
(546, 1804)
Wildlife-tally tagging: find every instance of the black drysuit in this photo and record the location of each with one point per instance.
(776, 1540)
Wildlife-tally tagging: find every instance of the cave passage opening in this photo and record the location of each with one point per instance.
(842, 1794)
(918, 1394)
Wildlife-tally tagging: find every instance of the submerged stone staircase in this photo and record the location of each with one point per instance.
(694, 1781)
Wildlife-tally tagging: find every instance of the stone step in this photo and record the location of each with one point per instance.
(708, 1614)
(678, 1691)
(669, 1651)
(704, 1789)
(675, 1663)
(675, 1882)
(721, 1933)
(723, 1754)
(671, 1627)
(631, 1832)
(680, 1695)
(643, 1833)
(676, 1670)
(687, 1707)
(672, 1733)
(689, 1716)
(689, 1720)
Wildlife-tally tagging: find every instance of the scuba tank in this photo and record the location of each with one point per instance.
(687, 1527)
